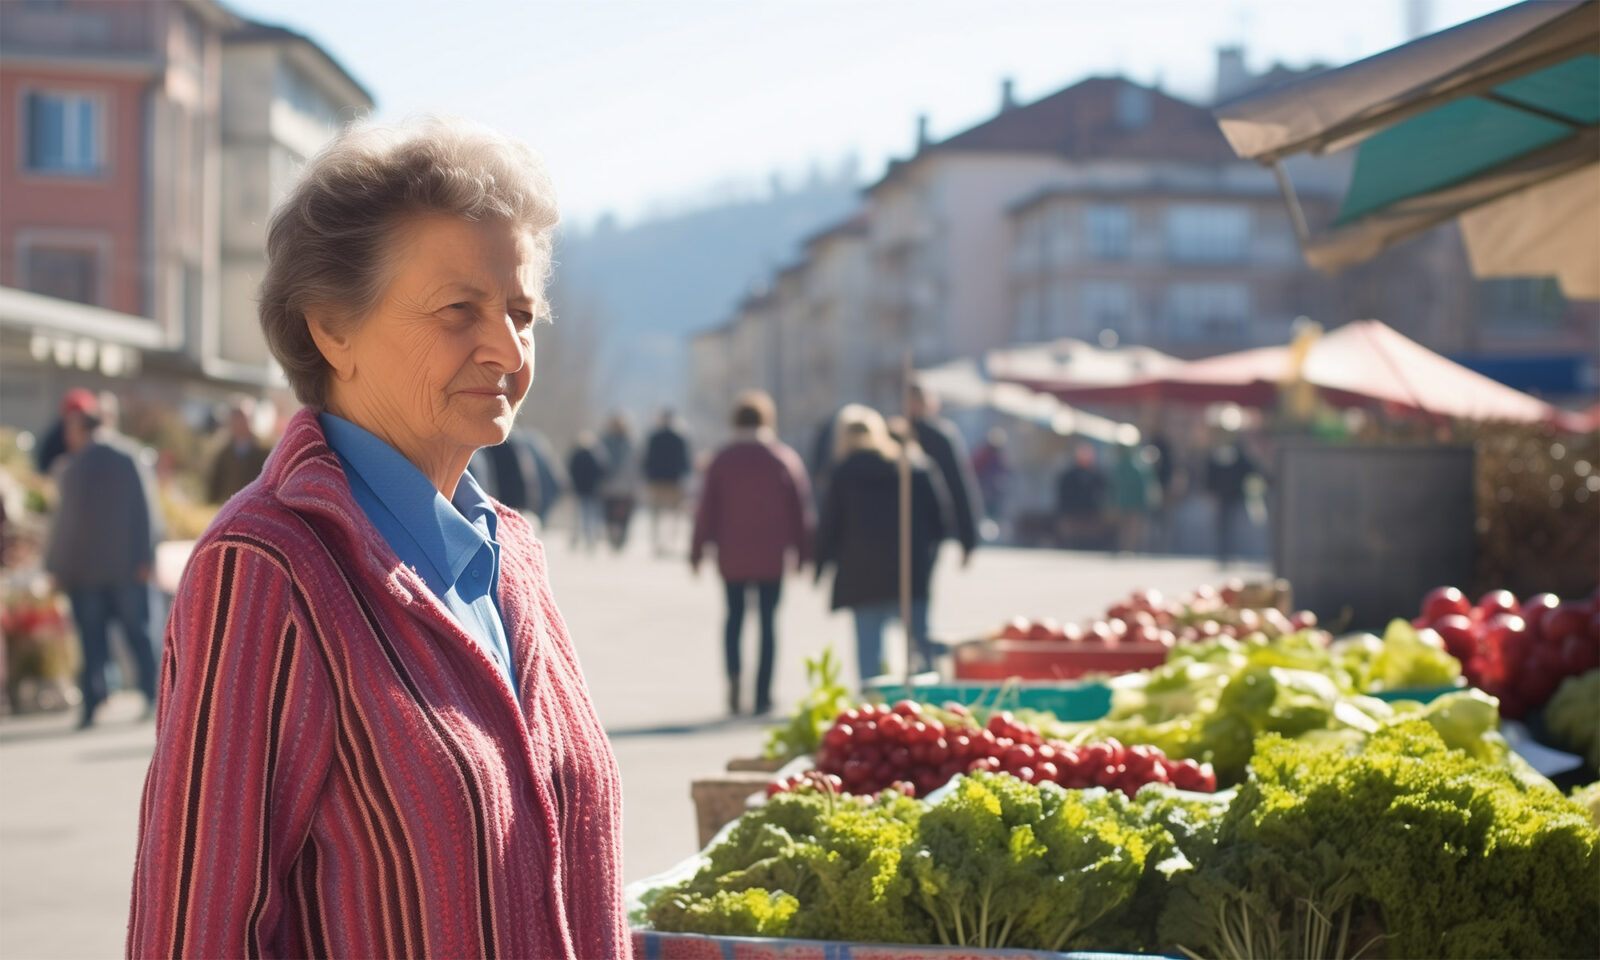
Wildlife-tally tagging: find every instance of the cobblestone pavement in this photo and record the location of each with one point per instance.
(649, 635)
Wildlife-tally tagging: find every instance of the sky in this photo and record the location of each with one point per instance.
(639, 107)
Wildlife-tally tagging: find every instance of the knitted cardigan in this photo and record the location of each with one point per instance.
(340, 770)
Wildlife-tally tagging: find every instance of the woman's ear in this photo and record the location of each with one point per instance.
(335, 347)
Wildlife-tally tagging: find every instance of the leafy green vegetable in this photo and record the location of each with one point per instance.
(1211, 700)
(836, 858)
(748, 913)
(828, 697)
(1404, 658)
(1439, 854)
(1570, 716)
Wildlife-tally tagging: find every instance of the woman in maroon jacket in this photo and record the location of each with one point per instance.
(374, 737)
(755, 505)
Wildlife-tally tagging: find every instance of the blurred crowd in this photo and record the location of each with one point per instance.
(756, 505)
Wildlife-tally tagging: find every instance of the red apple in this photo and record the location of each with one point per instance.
(1047, 629)
(1499, 601)
(1016, 628)
(1563, 620)
(1533, 610)
(1443, 601)
(1579, 654)
(1460, 639)
(1071, 632)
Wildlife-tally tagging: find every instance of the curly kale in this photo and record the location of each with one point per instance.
(1000, 862)
(749, 913)
(828, 866)
(1327, 852)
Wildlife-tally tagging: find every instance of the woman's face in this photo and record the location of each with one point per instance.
(441, 366)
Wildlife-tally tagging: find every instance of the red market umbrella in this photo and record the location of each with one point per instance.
(1359, 364)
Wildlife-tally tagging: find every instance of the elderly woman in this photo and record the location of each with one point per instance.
(374, 737)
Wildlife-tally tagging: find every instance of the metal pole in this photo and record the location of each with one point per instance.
(905, 519)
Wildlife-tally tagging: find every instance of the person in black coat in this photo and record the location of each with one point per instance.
(1082, 492)
(666, 466)
(942, 443)
(587, 470)
(859, 535)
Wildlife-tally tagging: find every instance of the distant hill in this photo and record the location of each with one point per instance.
(654, 283)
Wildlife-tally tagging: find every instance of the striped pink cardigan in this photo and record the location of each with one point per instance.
(341, 771)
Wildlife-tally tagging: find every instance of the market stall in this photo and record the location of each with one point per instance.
(1268, 789)
(1362, 363)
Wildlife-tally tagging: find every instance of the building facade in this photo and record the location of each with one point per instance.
(283, 99)
(129, 129)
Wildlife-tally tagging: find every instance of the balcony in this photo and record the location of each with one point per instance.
(123, 31)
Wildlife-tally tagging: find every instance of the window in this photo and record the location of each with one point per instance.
(1107, 306)
(1133, 107)
(1028, 309)
(1055, 317)
(70, 273)
(1110, 232)
(302, 94)
(1208, 233)
(1208, 312)
(1522, 303)
(63, 133)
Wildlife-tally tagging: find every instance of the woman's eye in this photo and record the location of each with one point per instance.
(522, 318)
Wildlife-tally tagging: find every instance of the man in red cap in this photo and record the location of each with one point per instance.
(102, 547)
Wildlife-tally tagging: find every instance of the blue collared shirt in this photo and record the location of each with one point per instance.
(449, 543)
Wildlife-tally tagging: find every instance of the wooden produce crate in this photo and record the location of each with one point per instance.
(721, 800)
(1051, 659)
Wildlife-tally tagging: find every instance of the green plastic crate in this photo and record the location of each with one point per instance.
(1074, 701)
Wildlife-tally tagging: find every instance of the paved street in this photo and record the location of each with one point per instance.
(649, 635)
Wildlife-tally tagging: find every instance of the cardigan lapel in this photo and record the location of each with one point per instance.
(309, 479)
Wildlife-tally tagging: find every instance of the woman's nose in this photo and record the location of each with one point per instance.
(502, 345)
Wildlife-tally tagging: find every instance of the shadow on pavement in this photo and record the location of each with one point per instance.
(65, 731)
(702, 726)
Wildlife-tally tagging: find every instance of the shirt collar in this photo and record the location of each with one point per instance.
(448, 533)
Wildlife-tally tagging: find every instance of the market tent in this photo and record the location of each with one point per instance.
(1075, 361)
(1358, 364)
(1493, 121)
(961, 384)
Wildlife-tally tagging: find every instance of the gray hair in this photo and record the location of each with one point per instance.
(328, 241)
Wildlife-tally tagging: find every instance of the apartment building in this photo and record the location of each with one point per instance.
(284, 97)
(136, 131)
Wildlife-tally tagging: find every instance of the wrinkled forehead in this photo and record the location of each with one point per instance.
(479, 259)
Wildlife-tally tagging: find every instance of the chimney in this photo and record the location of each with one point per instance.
(1232, 77)
(1419, 14)
(922, 131)
(1008, 99)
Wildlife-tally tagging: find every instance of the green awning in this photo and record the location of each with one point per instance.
(1494, 123)
(1464, 138)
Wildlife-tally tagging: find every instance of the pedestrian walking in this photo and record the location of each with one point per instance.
(858, 535)
(101, 549)
(1228, 467)
(619, 490)
(942, 444)
(240, 459)
(586, 469)
(375, 738)
(666, 467)
(1135, 494)
(1081, 493)
(755, 510)
(1171, 482)
(992, 467)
